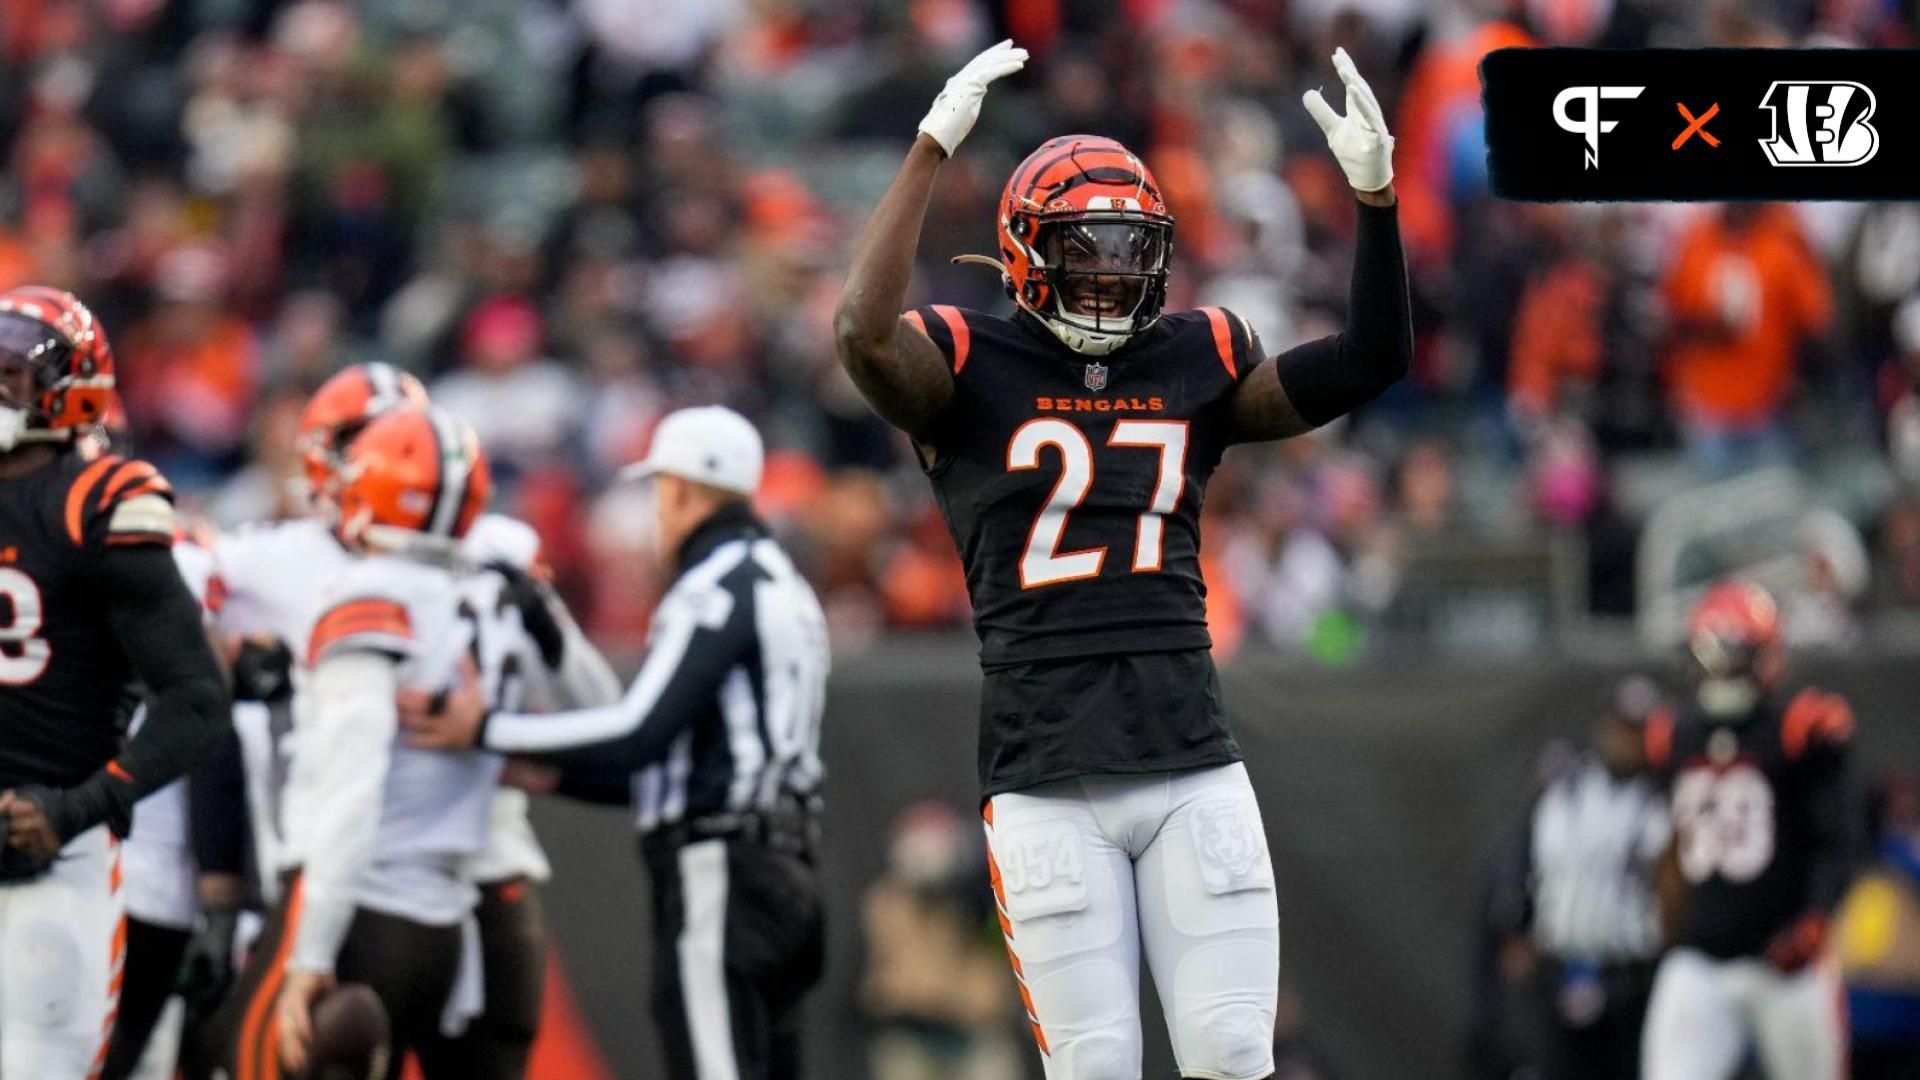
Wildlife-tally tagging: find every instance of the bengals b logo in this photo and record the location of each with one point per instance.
(1820, 123)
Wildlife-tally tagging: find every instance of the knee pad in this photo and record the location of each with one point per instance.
(1240, 1042)
(1100, 1057)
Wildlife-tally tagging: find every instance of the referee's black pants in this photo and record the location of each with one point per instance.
(738, 941)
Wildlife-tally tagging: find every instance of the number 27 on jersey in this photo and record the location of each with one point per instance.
(1043, 563)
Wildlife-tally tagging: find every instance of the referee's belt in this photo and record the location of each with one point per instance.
(794, 831)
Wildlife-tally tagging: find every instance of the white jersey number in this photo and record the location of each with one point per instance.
(23, 654)
(1043, 563)
(1725, 823)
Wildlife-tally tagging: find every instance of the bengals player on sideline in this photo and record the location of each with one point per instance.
(93, 602)
(1764, 842)
(1069, 447)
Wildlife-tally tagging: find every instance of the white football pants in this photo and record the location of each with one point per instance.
(63, 938)
(1088, 871)
(1705, 1012)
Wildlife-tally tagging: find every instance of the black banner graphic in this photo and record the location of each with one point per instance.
(1692, 124)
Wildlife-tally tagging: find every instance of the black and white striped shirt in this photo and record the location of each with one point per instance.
(1592, 851)
(724, 715)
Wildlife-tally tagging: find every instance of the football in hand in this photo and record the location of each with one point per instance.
(350, 1033)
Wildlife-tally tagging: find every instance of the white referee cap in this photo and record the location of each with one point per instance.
(708, 444)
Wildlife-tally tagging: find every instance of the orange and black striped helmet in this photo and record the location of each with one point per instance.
(341, 408)
(1086, 241)
(65, 346)
(414, 478)
(1734, 633)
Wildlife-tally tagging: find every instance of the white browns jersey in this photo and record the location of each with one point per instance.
(280, 579)
(433, 806)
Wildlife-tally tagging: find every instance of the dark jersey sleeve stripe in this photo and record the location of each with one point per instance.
(83, 486)
(962, 337)
(1223, 340)
(936, 330)
(128, 474)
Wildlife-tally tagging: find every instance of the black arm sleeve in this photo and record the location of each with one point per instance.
(1832, 821)
(679, 681)
(217, 808)
(658, 719)
(157, 621)
(608, 785)
(1328, 378)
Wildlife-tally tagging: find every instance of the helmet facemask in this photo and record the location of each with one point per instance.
(1105, 277)
(1731, 674)
(34, 361)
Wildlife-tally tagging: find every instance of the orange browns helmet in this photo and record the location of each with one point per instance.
(344, 405)
(1086, 241)
(55, 335)
(1734, 639)
(412, 481)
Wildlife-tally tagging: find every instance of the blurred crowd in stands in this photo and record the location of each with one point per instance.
(572, 215)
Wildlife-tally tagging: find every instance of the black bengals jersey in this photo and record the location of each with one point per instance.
(1760, 816)
(1072, 486)
(65, 679)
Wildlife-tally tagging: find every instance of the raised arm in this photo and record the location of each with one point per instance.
(1323, 380)
(899, 370)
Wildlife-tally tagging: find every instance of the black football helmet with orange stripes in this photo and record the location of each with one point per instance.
(56, 368)
(1736, 649)
(1086, 242)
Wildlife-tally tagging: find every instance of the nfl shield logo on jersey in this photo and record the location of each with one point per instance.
(1096, 376)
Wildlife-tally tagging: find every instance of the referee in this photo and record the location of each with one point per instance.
(716, 743)
(1581, 902)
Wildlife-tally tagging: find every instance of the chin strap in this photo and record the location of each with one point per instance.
(15, 430)
(1080, 339)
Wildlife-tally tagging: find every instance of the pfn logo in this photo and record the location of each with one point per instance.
(1589, 125)
(1826, 124)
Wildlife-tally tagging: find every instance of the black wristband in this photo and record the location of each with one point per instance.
(101, 798)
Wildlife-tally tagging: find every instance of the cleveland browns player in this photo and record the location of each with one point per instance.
(93, 602)
(1069, 446)
(1762, 853)
(378, 836)
(523, 643)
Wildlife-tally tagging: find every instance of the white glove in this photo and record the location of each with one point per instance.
(958, 106)
(1359, 139)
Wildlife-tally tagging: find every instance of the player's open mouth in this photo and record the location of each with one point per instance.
(1097, 302)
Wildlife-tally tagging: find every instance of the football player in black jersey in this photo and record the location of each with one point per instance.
(1763, 847)
(93, 601)
(1069, 446)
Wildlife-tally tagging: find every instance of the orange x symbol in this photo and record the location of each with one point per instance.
(1696, 125)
